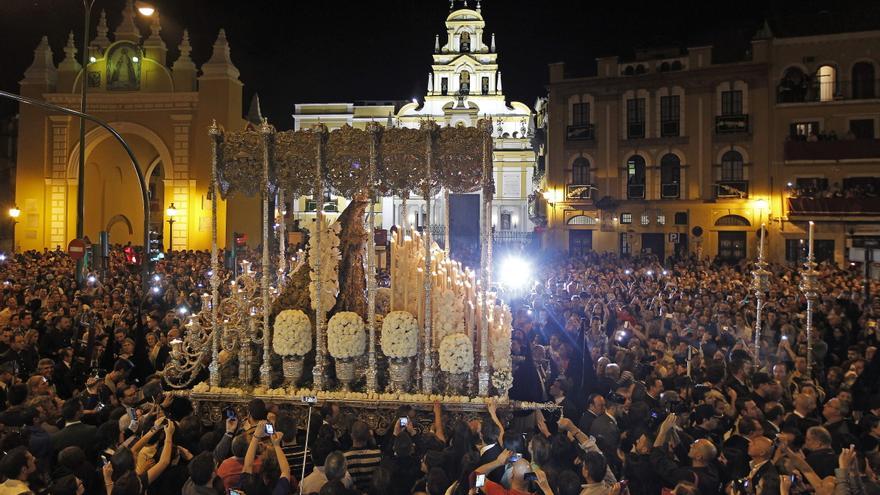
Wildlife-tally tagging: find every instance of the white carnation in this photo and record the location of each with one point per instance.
(293, 333)
(448, 314)
(400, 331)
(345, 335)
(329, 256)
(456, 353)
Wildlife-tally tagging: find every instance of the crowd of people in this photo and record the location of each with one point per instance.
(651, 372)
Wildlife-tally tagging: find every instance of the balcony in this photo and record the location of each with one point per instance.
(853, 149)
(579, 192)
(580, 132)
(635, 191)
(669, 128)
(731, 124)
(635, 130)
(670, 191)
(814, 91)
(834, 207)
(726, 189)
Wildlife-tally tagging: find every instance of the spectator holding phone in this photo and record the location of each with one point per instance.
(274, 477)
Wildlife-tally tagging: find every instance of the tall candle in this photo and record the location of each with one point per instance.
(761, 244)
(810, 253)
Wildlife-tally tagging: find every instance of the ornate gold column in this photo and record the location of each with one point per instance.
(428, 359)
(486, 256)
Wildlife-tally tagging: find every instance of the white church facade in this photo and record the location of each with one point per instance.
(464, 85)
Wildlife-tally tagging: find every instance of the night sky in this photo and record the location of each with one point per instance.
(319, 51)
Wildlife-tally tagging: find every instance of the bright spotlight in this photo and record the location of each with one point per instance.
(92, 279)
(183, 310)
(155, 290)
(627, 271)
(665, 272)
(156, 278)
(650, 272)
(515, 273)
(2, 257)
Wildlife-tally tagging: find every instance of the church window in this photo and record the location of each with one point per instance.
(444, 85)
(485, 86)
(464, 82)
(465, 41)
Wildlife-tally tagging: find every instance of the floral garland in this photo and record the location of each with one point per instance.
(330, 257)
(399, 338)
(345, 335)
(293, 333)
(456, 353)
(449, 313)
(241, 165)
(348, 160)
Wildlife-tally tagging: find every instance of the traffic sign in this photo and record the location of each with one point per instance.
(77, 249)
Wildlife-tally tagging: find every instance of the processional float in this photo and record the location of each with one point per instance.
(442, 318)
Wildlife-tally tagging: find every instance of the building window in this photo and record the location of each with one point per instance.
(732, 102)
(681, 218)
(580, 113)
(646, 219)
(862, 128)
(635, 177)
(732, 166)
(827, 76)
(484, 86)
(661, 219)
(464, 82)
(669, 115)
(625, 247)
(580, 171)
(444, 86)
(506, 220)
(465, 42)
(670, 176)
(801, 131)
(626, 218)
(793, 87)
(863, 80)
(635, 118)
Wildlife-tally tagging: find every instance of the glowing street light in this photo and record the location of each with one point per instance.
(515, 273)
(14, 212)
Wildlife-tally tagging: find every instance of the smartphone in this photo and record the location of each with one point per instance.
(230, 413)
(104, 459)
(236, 491)
(481, 481)
(513, 458)
(270, 430)
(99, 406)
(132, 414)
(309, 399)
(530, 477)
(404, 421)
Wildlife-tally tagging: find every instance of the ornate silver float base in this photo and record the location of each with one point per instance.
(456, 383)
(292, 368)
(400, 374)
(345, 370)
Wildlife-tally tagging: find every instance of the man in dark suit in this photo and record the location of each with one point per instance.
(763, 477)
(595, 408)
(607, 432)
(843, 433)
(559, 393)
(821, 458)
(75, 433)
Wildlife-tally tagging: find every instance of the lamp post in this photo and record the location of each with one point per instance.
(14, 212)
(171, 212)
(145, 10)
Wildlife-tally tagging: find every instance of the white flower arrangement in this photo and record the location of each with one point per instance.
(456, 353)
(329, 256)
(448, 314)
(345, 335)
(502, 380)
(400, 331)
(500, 329)
(293, 333)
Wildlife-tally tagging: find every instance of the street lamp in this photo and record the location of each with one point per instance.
(171, 212)
(14, 212)
(145, 10)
